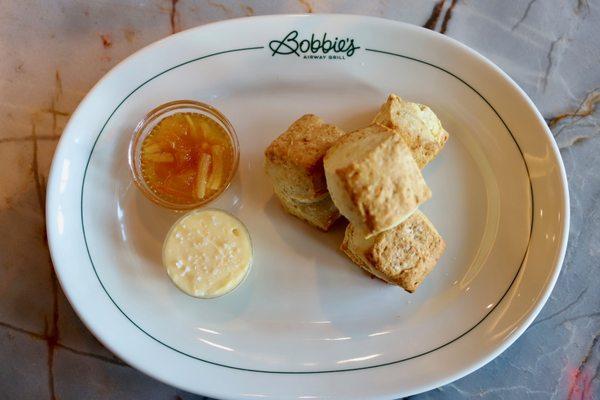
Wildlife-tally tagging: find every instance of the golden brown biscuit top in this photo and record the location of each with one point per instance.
(385, 183)
(304, 143)
(416, 118)
(406, 254)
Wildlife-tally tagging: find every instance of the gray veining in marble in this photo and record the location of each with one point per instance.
(51, 53)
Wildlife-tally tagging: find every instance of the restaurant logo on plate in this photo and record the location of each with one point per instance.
(315, 47)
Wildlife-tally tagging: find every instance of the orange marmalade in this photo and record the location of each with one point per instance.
(187, 157)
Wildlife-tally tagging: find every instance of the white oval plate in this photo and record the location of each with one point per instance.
(307, 323)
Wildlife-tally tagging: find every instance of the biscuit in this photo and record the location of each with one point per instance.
(373, 179)
(321, 214)
(294, 161)
(417, 124)
(402, 256)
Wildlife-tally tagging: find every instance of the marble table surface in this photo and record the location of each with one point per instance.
(52, 52)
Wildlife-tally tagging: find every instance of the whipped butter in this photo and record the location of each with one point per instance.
(207, 253)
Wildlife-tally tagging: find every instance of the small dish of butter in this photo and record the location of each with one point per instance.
(207, 253)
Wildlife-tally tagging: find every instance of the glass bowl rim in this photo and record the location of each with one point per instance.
(202, 210)
(159, 113)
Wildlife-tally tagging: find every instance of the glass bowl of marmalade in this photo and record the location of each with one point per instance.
(183, 154)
